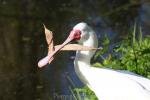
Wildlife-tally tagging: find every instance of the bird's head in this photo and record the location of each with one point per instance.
(84, 30)
(80, 33)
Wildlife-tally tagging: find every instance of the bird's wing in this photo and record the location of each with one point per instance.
(108, 84)
(139, 79)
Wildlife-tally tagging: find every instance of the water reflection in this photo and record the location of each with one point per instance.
(23, 42)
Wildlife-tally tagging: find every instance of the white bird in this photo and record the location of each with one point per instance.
(107, 84)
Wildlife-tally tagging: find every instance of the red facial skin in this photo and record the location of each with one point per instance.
(74, 35)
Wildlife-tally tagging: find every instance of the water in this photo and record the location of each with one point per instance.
(23, 42)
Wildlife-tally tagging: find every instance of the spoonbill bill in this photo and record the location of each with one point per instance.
(107, 84)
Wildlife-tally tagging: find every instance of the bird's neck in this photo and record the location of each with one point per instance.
(83, 58)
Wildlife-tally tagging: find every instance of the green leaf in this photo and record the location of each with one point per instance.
(133, 33)
(97, 64)
(140, 36)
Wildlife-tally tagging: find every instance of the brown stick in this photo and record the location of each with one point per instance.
(75, 47)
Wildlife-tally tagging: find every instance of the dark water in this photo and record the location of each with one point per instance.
(22, 40)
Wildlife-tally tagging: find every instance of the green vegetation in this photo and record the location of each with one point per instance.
(132, 54)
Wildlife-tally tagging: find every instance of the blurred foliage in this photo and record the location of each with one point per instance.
(85, 93)
(132, 54)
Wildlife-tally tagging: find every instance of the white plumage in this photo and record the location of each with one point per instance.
(107, 84)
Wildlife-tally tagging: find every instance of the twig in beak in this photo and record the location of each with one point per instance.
(75, 47)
